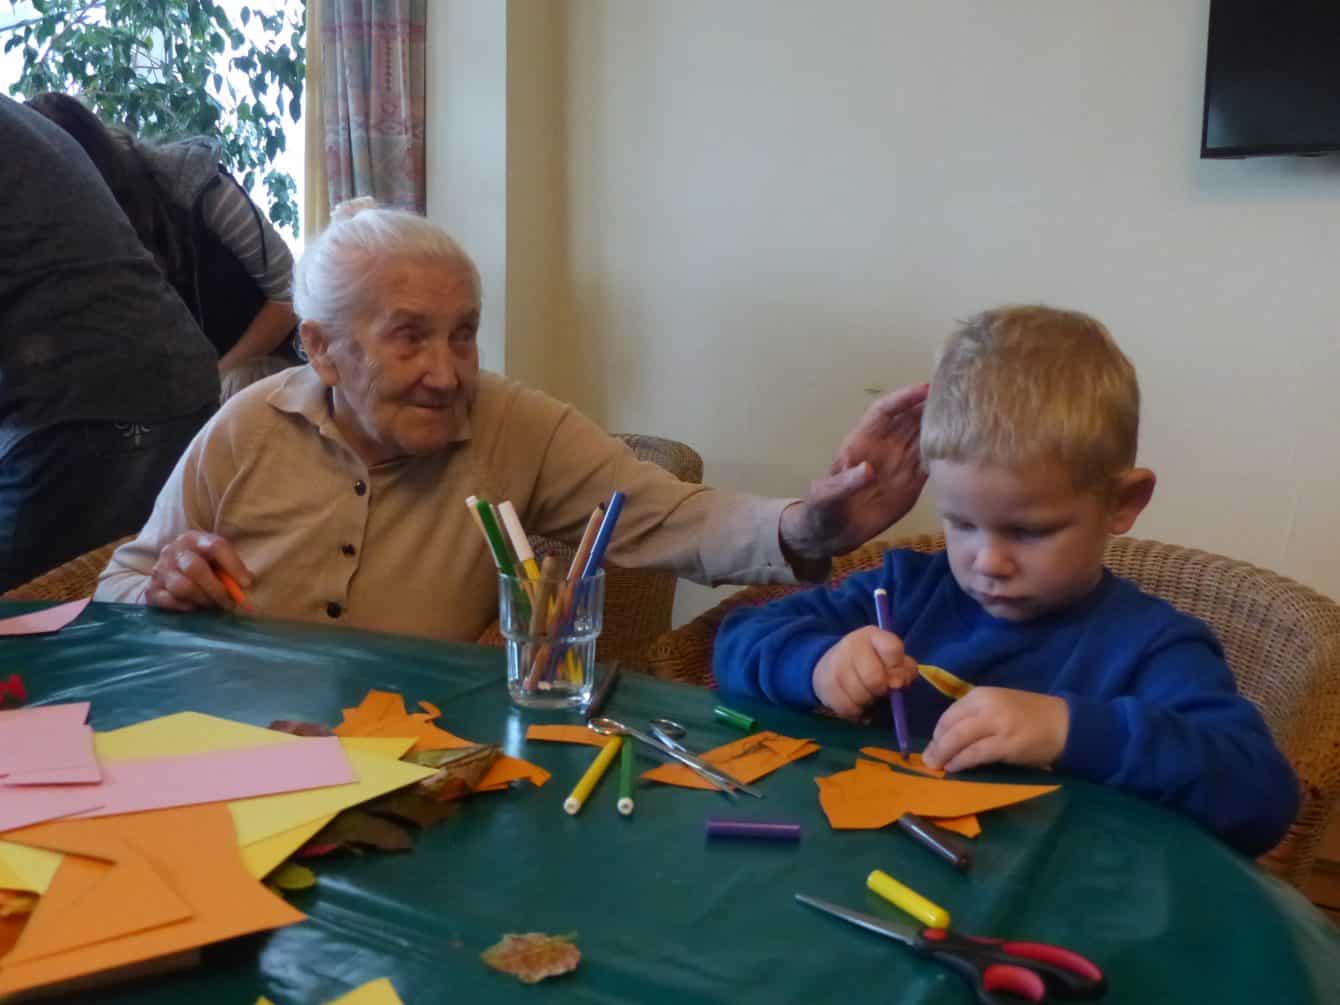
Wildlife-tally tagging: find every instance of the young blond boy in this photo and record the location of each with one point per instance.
(1029, 440)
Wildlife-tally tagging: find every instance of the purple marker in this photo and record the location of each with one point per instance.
(716, 827)
(896, 703)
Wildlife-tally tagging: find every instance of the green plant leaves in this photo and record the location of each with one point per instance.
(146, 65)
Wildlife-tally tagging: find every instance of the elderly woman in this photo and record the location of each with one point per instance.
(336, 491)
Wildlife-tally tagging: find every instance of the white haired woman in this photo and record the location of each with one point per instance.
(336, 491)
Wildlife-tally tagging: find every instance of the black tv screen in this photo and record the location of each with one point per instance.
(1272, 78)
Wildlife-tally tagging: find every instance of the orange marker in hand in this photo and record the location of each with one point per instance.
(234, 591)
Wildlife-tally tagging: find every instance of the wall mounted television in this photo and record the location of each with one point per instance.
(1272, 78)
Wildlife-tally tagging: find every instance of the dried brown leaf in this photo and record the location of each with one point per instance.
(300, 728)
(533, 956)
(358, 827)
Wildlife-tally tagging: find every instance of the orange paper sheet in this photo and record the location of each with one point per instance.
(872, 795)
(567, 734)
(912, 762)
(746, 759)
(87, 922)
(382, 713)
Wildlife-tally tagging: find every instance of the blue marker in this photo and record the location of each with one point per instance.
(896, 703)
(603, 535)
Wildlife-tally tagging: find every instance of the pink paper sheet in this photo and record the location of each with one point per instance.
(46, 750)
(74, 711)
(53, 619)
(160, 782)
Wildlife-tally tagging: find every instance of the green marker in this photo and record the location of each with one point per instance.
(733, 718)
(625, 803)
(496, 542)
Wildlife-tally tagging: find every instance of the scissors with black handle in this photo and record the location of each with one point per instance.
(1001, 971)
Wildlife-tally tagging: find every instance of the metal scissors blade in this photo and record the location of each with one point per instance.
(611, 727)
(904, 932)
(668, 731)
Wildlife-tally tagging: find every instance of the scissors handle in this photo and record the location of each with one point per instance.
(1027, 971)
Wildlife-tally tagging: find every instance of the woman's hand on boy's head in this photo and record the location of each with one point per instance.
(860, 668)
(875, 479)
(996, 724)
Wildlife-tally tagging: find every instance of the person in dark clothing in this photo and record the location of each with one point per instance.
(104, 375)
(216, 248)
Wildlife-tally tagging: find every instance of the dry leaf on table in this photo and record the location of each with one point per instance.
(533, 956)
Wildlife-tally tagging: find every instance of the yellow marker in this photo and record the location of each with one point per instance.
(573, 804)
(906, 899)
(943, 681)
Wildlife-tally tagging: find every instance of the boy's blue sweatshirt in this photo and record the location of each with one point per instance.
(1153, 706)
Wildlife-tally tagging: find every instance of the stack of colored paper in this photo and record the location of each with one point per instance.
(162, 853)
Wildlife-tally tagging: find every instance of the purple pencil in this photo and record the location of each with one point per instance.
(896, 703)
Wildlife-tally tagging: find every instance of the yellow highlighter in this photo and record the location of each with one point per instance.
(573, 804)
(907, 899)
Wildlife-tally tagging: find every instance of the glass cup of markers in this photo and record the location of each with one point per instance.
(551, 625)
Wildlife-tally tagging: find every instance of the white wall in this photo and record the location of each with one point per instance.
(775, 205)
(465, 146)
(740, 215)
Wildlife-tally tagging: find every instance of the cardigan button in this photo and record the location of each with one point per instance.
(348, 549)
(360, 487)
(334, 610)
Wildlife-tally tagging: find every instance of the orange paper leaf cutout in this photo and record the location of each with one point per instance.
(567, 734)
(746, 759)
(912, 762)
(872, 794)
(382, 713)
(506, 770)
(967, 826)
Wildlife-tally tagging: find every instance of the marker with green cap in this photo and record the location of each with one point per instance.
(497, 544)
(625, 803)
(733, 718)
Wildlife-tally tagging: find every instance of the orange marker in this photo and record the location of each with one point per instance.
(234, 591)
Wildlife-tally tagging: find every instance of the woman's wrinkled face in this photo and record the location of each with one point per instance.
(406, 368)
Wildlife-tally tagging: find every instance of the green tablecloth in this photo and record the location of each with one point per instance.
(661, 914)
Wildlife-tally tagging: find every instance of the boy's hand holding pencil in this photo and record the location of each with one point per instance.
(860, 668)
(197, 571)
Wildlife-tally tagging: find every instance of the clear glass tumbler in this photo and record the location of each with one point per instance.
(551, 628)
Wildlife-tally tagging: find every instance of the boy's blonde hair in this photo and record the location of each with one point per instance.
(1025, 384)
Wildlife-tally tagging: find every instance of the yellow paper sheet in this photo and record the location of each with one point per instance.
(872, 795)
(393, 747)
(379, 992)
(746, 759)
(23, 868)
(262, 857)
(265, 816)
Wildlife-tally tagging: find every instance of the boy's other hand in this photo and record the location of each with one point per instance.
(997, 724)
(184, 577)
(861, 667)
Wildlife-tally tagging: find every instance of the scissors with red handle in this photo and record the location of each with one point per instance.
(1001, 971)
